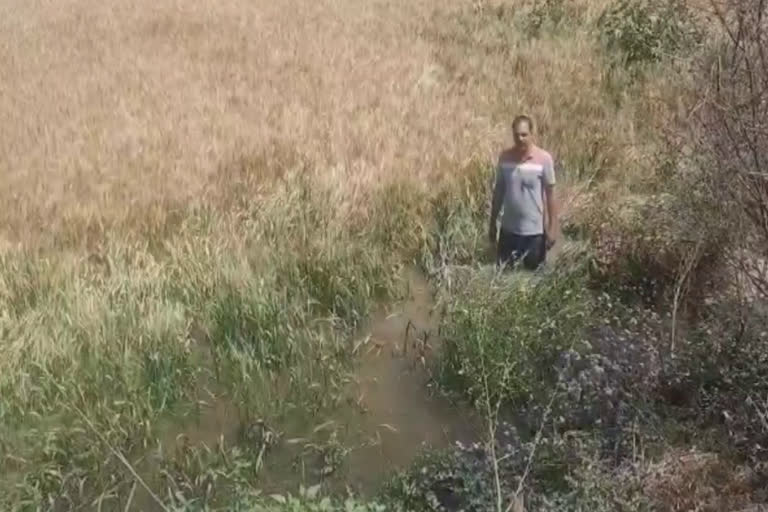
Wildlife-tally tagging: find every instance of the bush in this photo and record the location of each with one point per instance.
(563, 475)
(552, 15)
(729, 143)
(502, 334)
(721, 368)
(647, 31)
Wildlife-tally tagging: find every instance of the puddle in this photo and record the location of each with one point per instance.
(393, 415)
(390, 418)
(401, 413)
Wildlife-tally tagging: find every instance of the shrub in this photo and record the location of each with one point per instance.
(502, 334)
(721, 367)
(729, 142)
(552, 15)
(563, 475)
(647, 31)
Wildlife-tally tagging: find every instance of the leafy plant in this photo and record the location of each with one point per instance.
(647, 31)
(309, 500)
(558, 473)
(502, 334)
(552, 15)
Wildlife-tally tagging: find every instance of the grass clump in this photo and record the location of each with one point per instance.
(551, 16)
(458, 216)
(642, 32)
(503, 333)
(308, 500)
(131, 341)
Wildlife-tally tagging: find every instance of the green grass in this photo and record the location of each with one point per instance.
(503, 332)
(134, 337)
(117, 343)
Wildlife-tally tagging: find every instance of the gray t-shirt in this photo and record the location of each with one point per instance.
(519, 185)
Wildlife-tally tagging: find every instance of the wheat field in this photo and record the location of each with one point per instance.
(115, 113)
(111, 108)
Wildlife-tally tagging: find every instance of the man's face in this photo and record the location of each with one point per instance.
(522, 135)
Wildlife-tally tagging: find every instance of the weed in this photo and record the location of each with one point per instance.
(565, 476)
(550, 16)
(510, 329)
(309, 500)
(642, 32)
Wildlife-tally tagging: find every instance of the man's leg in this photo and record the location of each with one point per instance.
(507, 249)
(535, 251)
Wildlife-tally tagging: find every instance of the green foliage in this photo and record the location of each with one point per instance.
(563, 475)
(550, 16)
(166, 375)
(647, 31)
(593, 489)
(309, 500)
(502, 334)
(457, 232)
(254, 318)
(450, 478)
(339, 279)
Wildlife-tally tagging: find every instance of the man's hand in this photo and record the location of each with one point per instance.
(551, 240)
(553, 221)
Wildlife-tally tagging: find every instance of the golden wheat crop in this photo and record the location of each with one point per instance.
(117, 114)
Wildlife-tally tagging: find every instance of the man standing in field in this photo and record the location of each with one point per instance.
(525, 188)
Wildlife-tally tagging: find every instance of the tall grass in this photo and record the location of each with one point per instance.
(503, 334)
(127, 341)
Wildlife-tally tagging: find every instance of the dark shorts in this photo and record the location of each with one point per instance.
(511, 248)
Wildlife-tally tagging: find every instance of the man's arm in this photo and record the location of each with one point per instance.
(550, 196)
(553, 221)
(496, 202)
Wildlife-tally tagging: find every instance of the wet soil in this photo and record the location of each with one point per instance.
(401, 411)
(393, 413)
(390, 417)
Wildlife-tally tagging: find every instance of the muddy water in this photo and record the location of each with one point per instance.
(394, 385)
(391, 414)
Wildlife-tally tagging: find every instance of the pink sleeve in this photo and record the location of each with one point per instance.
(548, 176)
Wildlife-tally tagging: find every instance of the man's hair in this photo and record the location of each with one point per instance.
(522, 119)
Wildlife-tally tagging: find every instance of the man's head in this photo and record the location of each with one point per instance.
(522, 131)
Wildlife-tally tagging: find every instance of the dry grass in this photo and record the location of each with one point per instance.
(698, 481)
(111, 107)
(120, 113)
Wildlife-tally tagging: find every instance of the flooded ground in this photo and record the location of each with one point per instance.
(391, 415)
(401, 412)
(395, 414)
